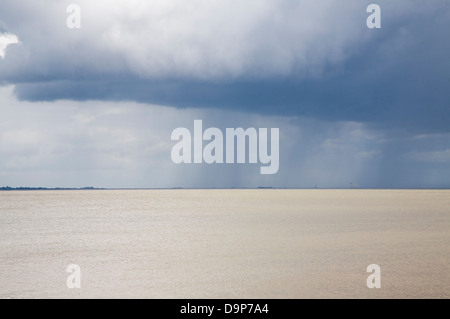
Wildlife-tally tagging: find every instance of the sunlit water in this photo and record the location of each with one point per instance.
(225, 243)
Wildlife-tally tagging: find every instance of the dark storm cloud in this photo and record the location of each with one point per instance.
(338, 70)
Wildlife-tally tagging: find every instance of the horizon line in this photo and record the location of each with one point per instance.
(25, 188)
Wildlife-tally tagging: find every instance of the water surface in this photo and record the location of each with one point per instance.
(263, 243)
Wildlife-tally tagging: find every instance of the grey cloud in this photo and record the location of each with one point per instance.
(442, 156)
(178, 39)
(305, 58)
(127, 144)
(195, 40)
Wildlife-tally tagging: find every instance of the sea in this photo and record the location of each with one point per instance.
(225, 243)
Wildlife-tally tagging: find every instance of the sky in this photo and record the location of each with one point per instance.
(96, 105)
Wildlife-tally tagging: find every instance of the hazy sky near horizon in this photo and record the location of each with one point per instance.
(96, 106)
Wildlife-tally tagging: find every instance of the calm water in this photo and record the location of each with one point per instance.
(225, 243)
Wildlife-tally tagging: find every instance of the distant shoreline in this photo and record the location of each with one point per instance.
(7, 188)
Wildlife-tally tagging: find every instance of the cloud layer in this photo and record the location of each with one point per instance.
(96, 105)
(202, 40)
(309, 58)
(127, 144)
